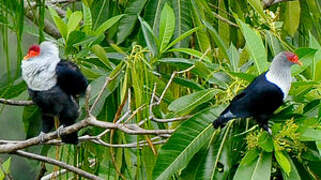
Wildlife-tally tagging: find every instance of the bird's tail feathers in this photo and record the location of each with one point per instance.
(221, 121)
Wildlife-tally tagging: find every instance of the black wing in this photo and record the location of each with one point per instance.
(261, 97)
(70, 79)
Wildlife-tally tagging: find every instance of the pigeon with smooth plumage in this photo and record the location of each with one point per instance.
(264, 95)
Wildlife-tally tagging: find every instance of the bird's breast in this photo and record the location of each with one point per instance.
(281, 80)
(39, 76)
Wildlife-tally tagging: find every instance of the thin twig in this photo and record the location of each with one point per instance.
(108, 79)
(219, 17)
(87, 100)
(152, 116)
(16, 102)
(61, 172)
(179, 72)
(57, 163)
(48, 27)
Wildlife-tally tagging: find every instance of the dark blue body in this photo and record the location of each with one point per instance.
(259, 100)
(60, 99)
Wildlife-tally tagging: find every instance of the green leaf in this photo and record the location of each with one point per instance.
(13, 90)
(203, 37)
(107, 24)
(74, 21)
(250, 156)
(6, 167)
(274, 43)
(266, 142)
(191, 52)
(102, 55)
(306, 56)
(183, 21)
(292, 17)
(184, 82)
(127, 24)
(184, 143)
(259, 168)
(257, 5)
(244, 76)
(254, 46)
(310, 134)
(73, 38)
(220, 43)
(186, 104)
(313, 43)
(61, 25)
(178, 62)
(31, 121)
(201, 68)
(223, 28)
(167, 26)
(181, 37)
(87, 18)
(90, 71)
(234, 57)
(150, 38)
(294, 174)
(96, 86)
(318, 143)
(283, 161)
(216, 158)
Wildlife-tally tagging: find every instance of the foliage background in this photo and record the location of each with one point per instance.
(223, 43)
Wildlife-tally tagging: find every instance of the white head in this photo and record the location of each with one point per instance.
(39, 66)
(45, 49)
(280, 71)
(283, 60)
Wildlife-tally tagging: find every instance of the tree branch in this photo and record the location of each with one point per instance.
(15, 102)
(48, 27)
(11, 146)
(57, 163)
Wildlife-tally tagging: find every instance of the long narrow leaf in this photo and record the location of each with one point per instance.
(260, 168)
(181, 37)
(74, 21)
(185, 104)
(107, 24)
(254, 46)
(217, 38)
(191, 52)
(167, 26)
(87, 18)
(150, 38)
(187, 140)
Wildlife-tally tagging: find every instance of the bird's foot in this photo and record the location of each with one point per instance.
(267, 128)
(59, 130)
(42, 137)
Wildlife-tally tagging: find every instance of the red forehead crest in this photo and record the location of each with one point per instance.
(34, 48)
(292, 57)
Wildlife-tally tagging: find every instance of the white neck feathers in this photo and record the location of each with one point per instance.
(280, 75)
(40, 72)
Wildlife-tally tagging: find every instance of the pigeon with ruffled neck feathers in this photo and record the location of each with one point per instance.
(53, 85)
